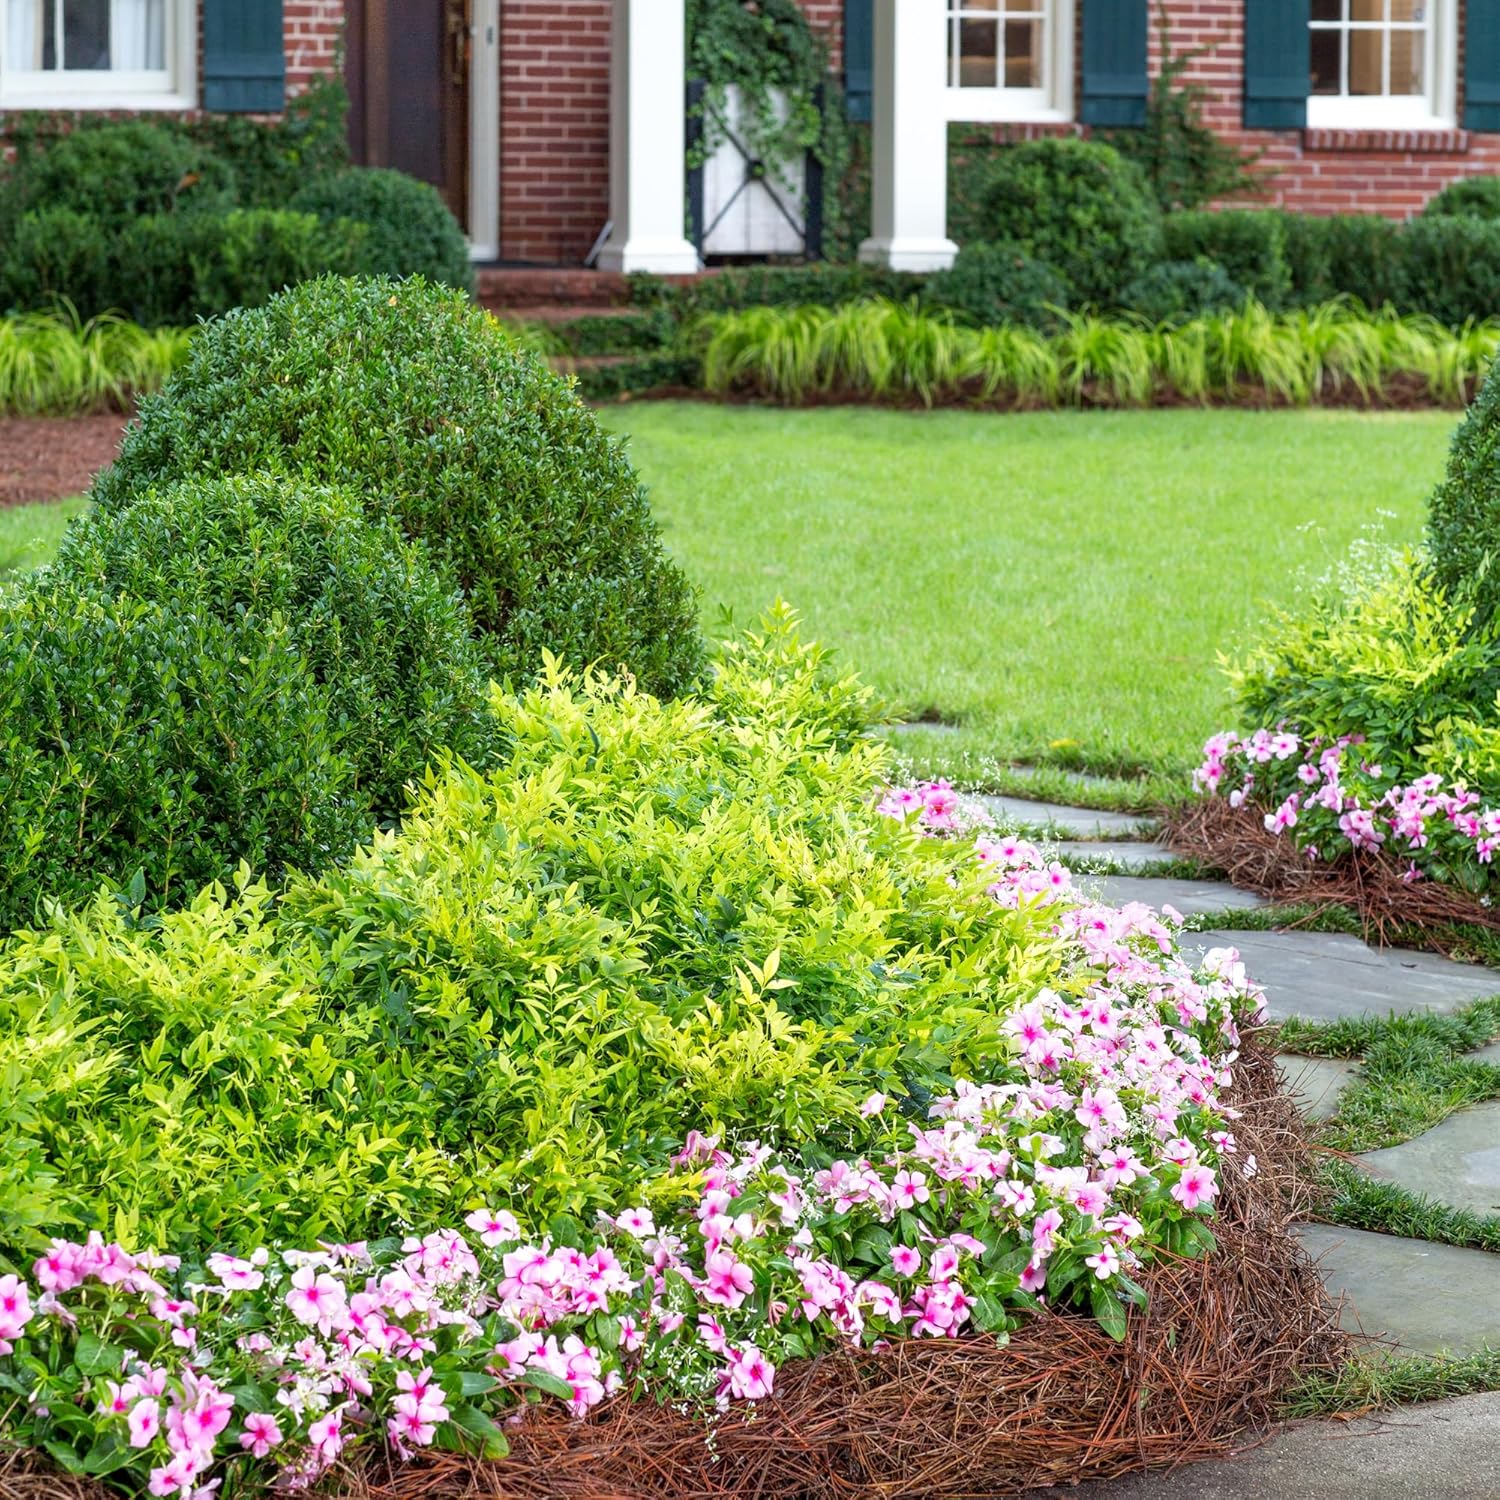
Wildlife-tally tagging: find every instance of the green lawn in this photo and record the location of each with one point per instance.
(29, 533)
(1059, 583)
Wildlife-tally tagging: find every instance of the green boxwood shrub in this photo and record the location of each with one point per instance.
(1463, 515)
(121, 170)
(410, 231)
(1080, 207)
(412, 398)
(173, 269)
(1248, 245)
(1177, 291)
(1449, 267)
(992, 284)
(52, 254)
(1468, 198)
(1356, 255)
(227, 670)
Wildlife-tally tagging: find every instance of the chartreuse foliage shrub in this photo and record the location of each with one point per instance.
(1376, 702)
(419, 403)
(1080, 207)
(648, 917)
(408, 229)
(228, 670)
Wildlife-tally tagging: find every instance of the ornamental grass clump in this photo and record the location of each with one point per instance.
(419, 403)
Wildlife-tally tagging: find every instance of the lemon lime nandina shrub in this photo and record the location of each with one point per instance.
(547, 975)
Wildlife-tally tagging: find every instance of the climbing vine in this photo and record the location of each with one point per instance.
(790, 102)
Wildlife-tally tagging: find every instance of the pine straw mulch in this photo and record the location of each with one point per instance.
(1368, 882)
(1061, 1402)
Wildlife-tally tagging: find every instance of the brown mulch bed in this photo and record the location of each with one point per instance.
(1238, 842)
(50, 458)
(1060, 1402)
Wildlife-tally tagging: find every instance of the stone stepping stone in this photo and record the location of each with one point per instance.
(1456, 1162)
(1127, 855)
(1315, 1083)
(1490, 1054)
(1424, 1298)
(1323, 976)
(1440, 1450)
(1192, 898)
(1078, 822)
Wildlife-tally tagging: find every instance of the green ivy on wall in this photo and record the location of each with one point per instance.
(792, 103)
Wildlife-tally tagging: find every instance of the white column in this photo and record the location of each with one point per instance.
(909, 139)
(648, 140)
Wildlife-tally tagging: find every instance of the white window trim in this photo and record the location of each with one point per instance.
(1438, 110)
(1052, 105)
(174, 87)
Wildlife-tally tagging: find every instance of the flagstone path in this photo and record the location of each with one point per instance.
(1398, 1294)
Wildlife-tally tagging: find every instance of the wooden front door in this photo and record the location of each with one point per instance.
(406, 65)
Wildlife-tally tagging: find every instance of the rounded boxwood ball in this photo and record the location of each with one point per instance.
(410, 397)
(410, 231)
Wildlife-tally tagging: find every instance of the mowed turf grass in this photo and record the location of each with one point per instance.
(1059, 584)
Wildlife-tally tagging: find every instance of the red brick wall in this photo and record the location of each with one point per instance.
(554, 128)
(1391, 173)
(310, 30)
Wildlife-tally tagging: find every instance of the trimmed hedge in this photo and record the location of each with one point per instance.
(410, 397)
(1249, 246)
(229, 670)
(409, 230)
(1469, 198)
(1177, 291)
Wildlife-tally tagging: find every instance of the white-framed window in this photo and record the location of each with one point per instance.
(98, 54)
(1010, 60)
(1382, 64)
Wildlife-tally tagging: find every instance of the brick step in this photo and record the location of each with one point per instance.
(498, 287)
(564, 286)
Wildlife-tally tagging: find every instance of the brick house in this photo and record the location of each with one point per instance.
(544, 120)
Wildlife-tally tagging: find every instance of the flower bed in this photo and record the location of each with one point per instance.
(1096, 1148)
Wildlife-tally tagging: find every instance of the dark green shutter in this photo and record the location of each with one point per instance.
(1114, 62)
(1482, 65)
(244, 57)
(1278, 64)
(859, 57)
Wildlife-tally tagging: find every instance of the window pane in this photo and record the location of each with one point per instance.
(978, 63)
(1023, 54)
(85, 35)
(1367, 10)
(25, 39)
(1327, 49)
(1407, 52)
(1366, 53)
(1328, 10)
(1409, 11)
